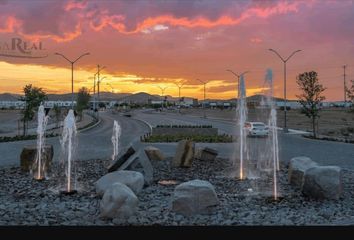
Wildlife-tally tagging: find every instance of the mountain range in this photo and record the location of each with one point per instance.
(129, 97)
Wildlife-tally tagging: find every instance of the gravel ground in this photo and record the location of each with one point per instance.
(24, 201)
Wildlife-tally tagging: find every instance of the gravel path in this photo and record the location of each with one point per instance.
(24, 201)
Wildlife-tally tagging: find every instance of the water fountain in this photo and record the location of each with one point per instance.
(115, 139)
(273, 136)
(241, 114)
(68, 144)
(39, 167)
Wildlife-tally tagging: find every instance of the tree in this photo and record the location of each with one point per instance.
(311, 97)
(34, 96)
(350, 93)
(83, 99)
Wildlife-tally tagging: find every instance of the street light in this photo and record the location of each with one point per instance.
(284, 61)
(238, 80)
(203, 105)
(162, 92)
(99, 68)
(72, 74)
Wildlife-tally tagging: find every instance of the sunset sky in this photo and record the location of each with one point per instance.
(145, 44)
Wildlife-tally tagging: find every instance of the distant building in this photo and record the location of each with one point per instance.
(188, 102)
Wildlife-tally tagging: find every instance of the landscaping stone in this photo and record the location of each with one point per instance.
(323, 182)
(28, 157)
(134, 180)
(119, 201)
(297, 169)
(141, 163)
(154, 154)
(184, 154)
(194, 197)
(208, 154)
(121, 159)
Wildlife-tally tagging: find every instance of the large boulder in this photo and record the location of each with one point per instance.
(140, 162)
(208, 154)
(154, 154)
(184, 154)
(134, 180)
(323, 182)
(194, 197)
(119, 201)
(28, 157)
(297, 169)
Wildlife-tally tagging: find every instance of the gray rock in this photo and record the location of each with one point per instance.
(134, 180)
(297, 169)
(28, 157)
(154, 154)
(184, 154)
(323, 182)
(193, 197)
(121, 159)
(208, 154)
(140, 162)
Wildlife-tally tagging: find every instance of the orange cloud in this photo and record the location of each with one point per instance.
(11, 24)
(66, 37)
(75, 5)
(115, 20)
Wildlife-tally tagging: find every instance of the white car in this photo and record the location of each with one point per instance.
(256, 129)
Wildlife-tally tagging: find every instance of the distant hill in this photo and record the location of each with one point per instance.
(9, 97)
(140, 97)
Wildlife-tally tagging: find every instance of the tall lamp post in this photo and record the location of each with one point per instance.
(99, 69)
(179, 85)
(162, 92)
(203, 106)
(238, 80)
(285, 100)
(72, 74)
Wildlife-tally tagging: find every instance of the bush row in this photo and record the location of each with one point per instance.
(184, 126)
(196, 138)
(21, 137)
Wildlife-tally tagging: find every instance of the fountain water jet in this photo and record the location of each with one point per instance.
(68, 142)
(38, 165)
(115, 139)
(273, 132)
(241, 113)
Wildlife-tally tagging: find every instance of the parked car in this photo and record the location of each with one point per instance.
(256, 129)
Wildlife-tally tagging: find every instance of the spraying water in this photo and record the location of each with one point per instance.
(115, 139)
(68, 142)
(38, 164)
(273, 132)
(241, 112)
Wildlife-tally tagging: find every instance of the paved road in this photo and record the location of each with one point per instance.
(92, 144)
(290, 145)
(96, 142)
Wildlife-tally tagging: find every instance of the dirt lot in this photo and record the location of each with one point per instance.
(333, 122)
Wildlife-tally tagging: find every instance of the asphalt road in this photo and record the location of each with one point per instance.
(96, 142)
(92, 143)
(290, 144)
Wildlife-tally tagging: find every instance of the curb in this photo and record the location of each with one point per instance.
(145, 122)
(94, 125)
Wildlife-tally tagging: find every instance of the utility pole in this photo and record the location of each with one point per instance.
(345, 86)
(99, 68)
